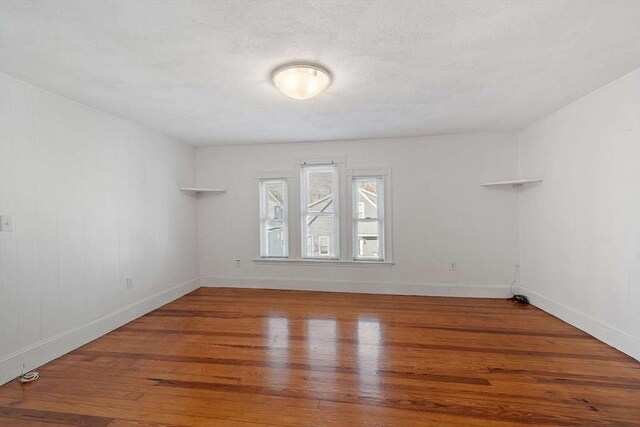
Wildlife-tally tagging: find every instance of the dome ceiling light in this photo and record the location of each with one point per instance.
(301, 81)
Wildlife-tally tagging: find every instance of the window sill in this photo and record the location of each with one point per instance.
(325, 262)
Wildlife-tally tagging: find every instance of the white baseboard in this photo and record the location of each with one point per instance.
(427, 289)
(605, 333)
(47, 350)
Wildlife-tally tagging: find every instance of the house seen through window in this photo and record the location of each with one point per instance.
(368, 221)
(320, 215)
(274, 224)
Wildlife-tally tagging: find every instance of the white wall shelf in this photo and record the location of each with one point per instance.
(203, 190)
(515, 182)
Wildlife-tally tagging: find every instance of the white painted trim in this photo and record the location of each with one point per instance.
(319, 161)
(325, 262)
(47, 350)
(605, 333)
(387, 195)
(364, 171)
(274, 175)
(203, 190)
(336, 212)
(514, 182)
(426, 289)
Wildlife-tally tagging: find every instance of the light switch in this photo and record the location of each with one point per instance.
(6, 222)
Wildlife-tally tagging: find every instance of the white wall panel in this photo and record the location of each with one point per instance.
(580, 229)
(26, 219)
(75, 310)
(62, 164)
(441, 214)
(96, 200)
(9, 320)
(46, 135)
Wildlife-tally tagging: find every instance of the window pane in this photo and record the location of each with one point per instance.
(319, 205)
(321, 234)
(368, 218)
(368, 242)
(320, 190)
(274, 233)
(367, 197)
(310, 246)
(276, 238)
(275, 199)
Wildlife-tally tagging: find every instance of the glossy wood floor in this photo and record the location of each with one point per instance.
(233, 357)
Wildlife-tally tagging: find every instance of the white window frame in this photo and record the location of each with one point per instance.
(297, 239)
(380, 213)
(264, 219)
(304, 209)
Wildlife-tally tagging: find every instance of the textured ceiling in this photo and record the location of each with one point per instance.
(199, 70)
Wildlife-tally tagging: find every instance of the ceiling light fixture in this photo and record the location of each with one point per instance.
(301, 81)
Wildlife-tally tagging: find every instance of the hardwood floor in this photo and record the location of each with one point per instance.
(239, 357)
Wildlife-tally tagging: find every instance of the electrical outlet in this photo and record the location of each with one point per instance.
(237, 263)
(129, 283)
(452, 266)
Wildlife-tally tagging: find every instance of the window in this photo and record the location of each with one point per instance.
(310, 245)
(274, 221)
(324, 245)
(368, 218)
(320, 216)
(304, 207)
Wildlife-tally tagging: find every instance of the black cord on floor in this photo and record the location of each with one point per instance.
(520, 299)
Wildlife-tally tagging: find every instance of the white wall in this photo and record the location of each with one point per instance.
(440, 215)
(95, 200)
(580, 229)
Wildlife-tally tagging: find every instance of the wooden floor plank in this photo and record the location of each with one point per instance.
(239, 357)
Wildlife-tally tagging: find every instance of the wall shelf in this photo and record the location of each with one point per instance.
(203, 190)
(514, 182)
